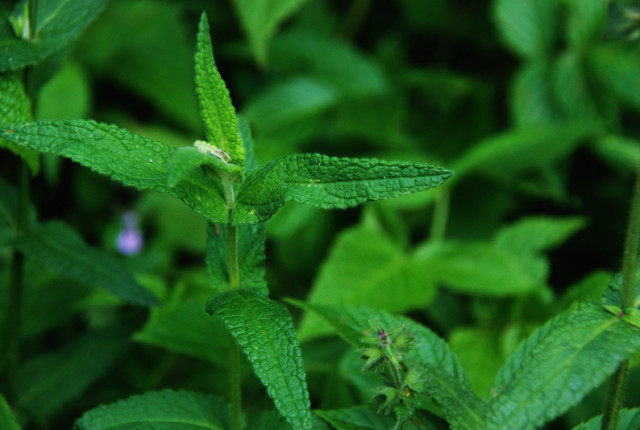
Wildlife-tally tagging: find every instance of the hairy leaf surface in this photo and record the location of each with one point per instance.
(50, 380)
(251, 257)
(59, 22)
(328, 183)
(58, 247)
(7, 418)
(260, 21)
(160, 410)
(264, 330)
(558, 365)
(127, 157)
(218, 113)
(16, 107)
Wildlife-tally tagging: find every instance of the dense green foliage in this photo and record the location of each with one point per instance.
(175, 264)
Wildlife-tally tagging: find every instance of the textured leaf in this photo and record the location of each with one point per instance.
(7, 419)
(59, 22)
(528, 26)
(188, 158)
(366, 268)
(536, 234)
(328, 183)
(247, 140)
(558, 365)
(125, 156)
(260, 21)
(16, 107)
(216, 109)
(353, 323)
(251, 257)
(160, 410)
(264, 330)
(355, 418)
(629, 420)
(50, 380)
(186, 329)
(587, 20)
(58, 247)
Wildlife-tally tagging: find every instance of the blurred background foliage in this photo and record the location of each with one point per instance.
(534, 104)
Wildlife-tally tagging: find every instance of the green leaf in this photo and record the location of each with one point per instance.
(247, 140)
(528, 26)
(264, 330)
(59, 22)
(217, 111)
(613, 295)
(328, 183)
(261, 20)
(572, 88)
(189, 158)
(618, 67)
(186, 329)
(366, 268)
(558, 365)
(58, 247)
(536, 234)
(16, 107)
(7, 418)
(251, 257)
(358, 417)
(531, 98)
(160, 410)
(125, 156)
(587, 20)
(49, 381)
(629, 420)
(66, 96)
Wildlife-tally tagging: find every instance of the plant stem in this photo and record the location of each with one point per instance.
(615, 395)
(440, 216)
(234, 349)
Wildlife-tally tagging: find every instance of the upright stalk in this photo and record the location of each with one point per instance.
(615, 395)
(14, 315)
(440, 215)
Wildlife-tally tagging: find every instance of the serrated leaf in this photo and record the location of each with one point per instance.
(216, 109)
(186, 329)
(558, 365)
(366, 268)
(188, 158)
(127, 157)
(160, 410)
(260, 21)
(528, 26)
(251, 257)
(264, 330)
(629, 420)
(328, 183)
(7, 418)
(587, 20)
(49, 381)
(59, 22)
(536, 234)
(16, 107)
(58, 247)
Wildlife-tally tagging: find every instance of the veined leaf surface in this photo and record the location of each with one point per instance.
(127, 157)
(16, 107)
(328, 183)
(59, 22)
(58, 247)
(629, 420)
(160, 410)
(558, 365)
(264, 330)
(218, 113)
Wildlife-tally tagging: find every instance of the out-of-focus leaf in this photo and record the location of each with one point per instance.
(355, 418)
(58, 247)
(366, 268)
(16, 107)
(536, 234)
(618, 67)
(261, 20)
(59, 22)
(528, 26)
(49, 381)
(531, 98)
(160, 410)
(264, 330)
(7, 418)
(629, 420)
(590, 288)
(558, 365)
(620, 151)
(587, 20)
(66, 96)
(572, 89)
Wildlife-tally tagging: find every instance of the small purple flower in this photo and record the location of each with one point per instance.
(129, 241)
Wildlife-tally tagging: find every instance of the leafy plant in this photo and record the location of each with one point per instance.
(491, 343)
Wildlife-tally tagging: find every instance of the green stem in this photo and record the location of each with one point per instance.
(235, 382)
(615, 395)
(440, 216)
